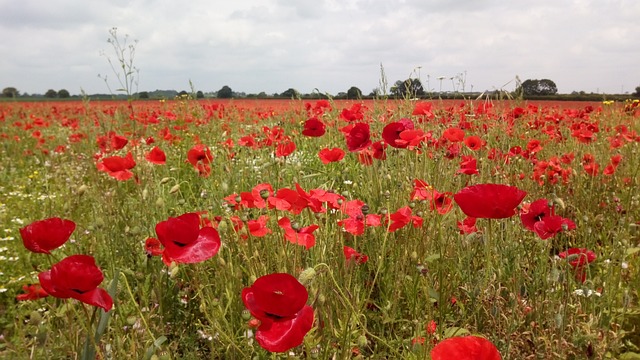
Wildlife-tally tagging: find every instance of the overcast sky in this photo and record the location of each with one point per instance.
(329, 45)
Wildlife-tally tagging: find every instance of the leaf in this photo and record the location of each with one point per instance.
(432, 258)
(629, 356)
(633, 250)
(455, 331)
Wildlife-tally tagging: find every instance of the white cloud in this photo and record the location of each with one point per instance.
(272, 45)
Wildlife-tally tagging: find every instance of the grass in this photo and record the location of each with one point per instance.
(502, 282)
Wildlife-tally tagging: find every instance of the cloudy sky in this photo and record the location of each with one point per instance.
(329, 45)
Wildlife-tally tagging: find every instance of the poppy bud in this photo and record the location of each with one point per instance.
(321, 300)
(173, 270)
(174, 189)
(560, 202)
(307, 276)
(264, 194)
(362, 341)
(145, 194)
(35, 318)
(164, 180)
(82, 189)
(246, 315)
(160, 202)
(221, 261)
(131, 320)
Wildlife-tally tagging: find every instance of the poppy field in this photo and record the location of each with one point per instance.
(373, 229)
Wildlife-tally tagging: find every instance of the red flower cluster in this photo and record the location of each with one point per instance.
(465, 348)
(117, 167)
(540, 218)
(185, 241)
(200, 157)
(579, 259)
(279, 301)
(490, 201)
(45, 235)
(76, 277)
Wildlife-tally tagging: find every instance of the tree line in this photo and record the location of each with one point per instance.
(408, 89)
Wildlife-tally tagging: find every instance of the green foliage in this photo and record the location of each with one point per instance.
(354, 93)
(51, 94)
(63, 94)
(537, 87)
(408, 89)
(524, 299)
(290, 94)
(10, 92)
(225, 93)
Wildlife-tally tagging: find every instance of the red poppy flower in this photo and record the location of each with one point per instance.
(156, 156)
(358, 137)
(423, 108)
(76, 277)
(118, 167)
(536, 211)
(185, 242)
(45, 235)
(473, 143)
(549, 226)
(541, 219)
(441, 202)
(355, 113)
(467, 226)
(491, 201)
(351, 254)
(279, 301)
(453, 135)
(465, 348)
(288, 199)
(285, 148)
(579, 259)
(400, 218)
(303, 236)
(468, 165)
(258, 228)
(32, 292)
(153, 247)
(327, 155)
(313, 127)
(111, 142)
(379, 150)
(391, 132)
(200, 157)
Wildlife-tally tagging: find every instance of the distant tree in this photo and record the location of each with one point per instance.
(51, 93)
(183, 93)
(262, 95)
(225, 93)
(10, 92)
(199, 95)
(63, 94)
(537, 87)
(354, 93)
(375, 92)
(409, 88)
(637, 93)
(143, 95)
(291, 93)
